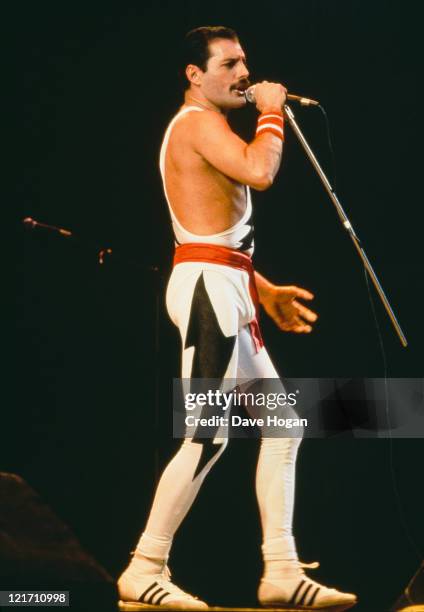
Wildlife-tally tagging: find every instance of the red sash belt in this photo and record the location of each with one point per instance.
(226, 257)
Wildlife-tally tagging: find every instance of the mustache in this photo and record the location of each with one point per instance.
(241, 85)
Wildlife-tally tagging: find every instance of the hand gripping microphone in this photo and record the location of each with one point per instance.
(249, 94)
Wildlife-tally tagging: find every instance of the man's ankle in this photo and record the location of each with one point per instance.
(141, 564)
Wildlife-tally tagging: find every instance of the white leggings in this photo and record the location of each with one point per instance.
(211, 305)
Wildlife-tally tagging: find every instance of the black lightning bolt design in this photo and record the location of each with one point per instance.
(247, 242)
(212, 354)
(212, 350)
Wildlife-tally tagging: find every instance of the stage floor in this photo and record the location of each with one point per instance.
(133, 607)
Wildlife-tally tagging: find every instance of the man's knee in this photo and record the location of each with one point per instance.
(287, 446)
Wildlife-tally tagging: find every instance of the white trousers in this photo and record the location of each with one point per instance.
(212, 307)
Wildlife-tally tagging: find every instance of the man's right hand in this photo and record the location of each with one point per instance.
(269, 96)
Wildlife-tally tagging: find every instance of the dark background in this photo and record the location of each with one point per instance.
(93, 89)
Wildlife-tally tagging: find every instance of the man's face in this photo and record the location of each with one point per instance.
(226, 75)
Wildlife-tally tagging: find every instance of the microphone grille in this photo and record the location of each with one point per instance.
(250, 94)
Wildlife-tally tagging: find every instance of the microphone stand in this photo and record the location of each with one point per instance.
(346, 223)
(103, 255)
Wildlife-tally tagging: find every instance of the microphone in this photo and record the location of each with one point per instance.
(249, 94)
(32, 223)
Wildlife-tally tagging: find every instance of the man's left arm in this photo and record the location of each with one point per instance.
(282, 305)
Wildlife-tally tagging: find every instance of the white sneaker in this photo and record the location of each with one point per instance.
(297, 591)
(144, 592)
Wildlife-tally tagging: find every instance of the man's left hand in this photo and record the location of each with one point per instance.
(282, 305)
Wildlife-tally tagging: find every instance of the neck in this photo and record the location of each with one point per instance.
(191, 100)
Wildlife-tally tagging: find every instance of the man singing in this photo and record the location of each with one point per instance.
(213, 297)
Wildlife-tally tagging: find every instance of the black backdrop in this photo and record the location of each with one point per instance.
(93, 89)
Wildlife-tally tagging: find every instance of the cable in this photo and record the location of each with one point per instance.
(400, 509)
(330, 146)
(399, 506)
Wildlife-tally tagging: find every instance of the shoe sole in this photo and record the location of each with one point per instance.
(133, 606)
(284, 607)
(130, 606)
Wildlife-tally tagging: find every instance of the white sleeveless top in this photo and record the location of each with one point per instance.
(238, 236)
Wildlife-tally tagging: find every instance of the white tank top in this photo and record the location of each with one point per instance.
(238, 236)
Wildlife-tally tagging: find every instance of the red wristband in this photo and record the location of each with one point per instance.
(271, 122)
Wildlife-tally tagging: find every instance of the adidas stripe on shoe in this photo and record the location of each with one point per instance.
(139, 592)
(296, 591)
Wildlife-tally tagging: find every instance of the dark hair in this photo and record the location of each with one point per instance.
(195, 49)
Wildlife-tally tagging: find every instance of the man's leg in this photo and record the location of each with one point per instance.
(209, 329)
(284, 581)
(275, 472)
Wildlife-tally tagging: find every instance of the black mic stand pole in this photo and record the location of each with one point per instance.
(346, 223)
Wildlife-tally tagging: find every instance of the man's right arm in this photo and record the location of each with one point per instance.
(254, 164)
